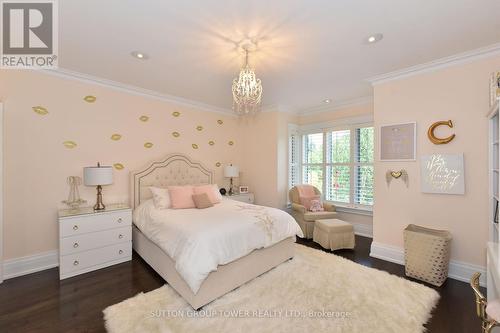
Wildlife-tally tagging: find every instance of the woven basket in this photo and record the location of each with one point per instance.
(427, 254)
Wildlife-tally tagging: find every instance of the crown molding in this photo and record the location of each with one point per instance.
(130, 89)
(454, 60)
(340, 105)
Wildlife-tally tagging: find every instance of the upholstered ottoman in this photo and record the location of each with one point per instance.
(334, 234)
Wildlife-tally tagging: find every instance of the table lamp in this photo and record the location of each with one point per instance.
(98, 176)
(231, 171)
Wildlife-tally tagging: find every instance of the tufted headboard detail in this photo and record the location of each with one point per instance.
(174, 169)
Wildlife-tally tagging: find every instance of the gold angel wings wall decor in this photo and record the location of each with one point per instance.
(391, 174)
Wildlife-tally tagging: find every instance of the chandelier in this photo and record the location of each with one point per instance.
(247, 90)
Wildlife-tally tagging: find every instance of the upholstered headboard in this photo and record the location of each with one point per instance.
(174, 169)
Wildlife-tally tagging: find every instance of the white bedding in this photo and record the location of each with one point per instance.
(199, 240)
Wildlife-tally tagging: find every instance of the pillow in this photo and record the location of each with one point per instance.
(161, 197)
(306, 200)
(181, 196)
(202, 201)
(211, 190)
(316, 206)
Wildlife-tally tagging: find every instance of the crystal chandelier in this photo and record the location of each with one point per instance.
(247, 90)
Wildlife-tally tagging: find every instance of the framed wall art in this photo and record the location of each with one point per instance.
(442, 174)
(398, 142)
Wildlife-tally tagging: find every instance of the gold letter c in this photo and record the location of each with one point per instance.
(434, 139)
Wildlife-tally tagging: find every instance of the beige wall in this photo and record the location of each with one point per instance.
(459, 93)
(37, 163)
(265, 153)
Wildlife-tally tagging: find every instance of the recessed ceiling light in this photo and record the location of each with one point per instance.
(374, 38)
(139, 55)
(327, 101)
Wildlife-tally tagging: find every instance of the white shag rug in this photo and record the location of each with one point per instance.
(314, 292)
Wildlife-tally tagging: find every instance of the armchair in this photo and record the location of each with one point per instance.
(304, 218)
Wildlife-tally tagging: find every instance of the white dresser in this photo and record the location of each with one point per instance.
(90, 240)
(243, 197)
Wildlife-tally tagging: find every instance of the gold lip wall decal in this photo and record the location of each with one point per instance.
(194, 145)
(118, 166)
(211, 142)
(40, 110)
(144, 118)
(69, 144)
(148, 145)
(116, 137)
(218, 164)
(176, 113)
(220, 122)
(176, 134)
(199, 128)
(89, 99)
(230, 143)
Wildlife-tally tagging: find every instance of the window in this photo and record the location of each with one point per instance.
(339, 162)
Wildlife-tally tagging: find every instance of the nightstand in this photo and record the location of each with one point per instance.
(243, 197)
(90, 240)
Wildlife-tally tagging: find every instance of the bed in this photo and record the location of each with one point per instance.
(178, 169)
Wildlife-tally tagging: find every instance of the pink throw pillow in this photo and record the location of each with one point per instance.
(316, 206)
(211, 191)
(306, 200)
(181, 196)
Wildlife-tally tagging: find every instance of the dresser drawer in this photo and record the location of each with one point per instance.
(91, 223)
(89, 241)
(83, 260)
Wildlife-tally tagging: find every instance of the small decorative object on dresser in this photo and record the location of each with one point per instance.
(90, 240)
(98, 176)
(222, 191)
(74, 201)
(243, 189)
(231, 171)
(244, 197)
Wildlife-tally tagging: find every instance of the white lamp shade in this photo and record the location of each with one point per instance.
(231, 171)
(93, 176)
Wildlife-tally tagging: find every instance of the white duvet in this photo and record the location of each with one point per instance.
(199, 240)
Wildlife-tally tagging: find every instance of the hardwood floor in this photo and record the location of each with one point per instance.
(41, 303)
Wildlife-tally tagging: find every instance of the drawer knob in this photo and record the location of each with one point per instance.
(75, 263)
(120, 220)
(120, 252)
(75, 245)
(120, 236)
(75, 227)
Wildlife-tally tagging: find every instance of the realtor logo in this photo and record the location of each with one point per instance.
(29, 34)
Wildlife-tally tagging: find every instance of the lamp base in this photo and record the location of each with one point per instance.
(231, 190)
(99, 205)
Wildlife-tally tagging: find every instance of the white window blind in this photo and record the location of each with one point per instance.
(293, 156)
(364, 166)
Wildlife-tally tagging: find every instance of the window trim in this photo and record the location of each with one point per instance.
(346, 124)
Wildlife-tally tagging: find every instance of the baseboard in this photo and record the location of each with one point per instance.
(365, 230)
(458, 270)
(30, 264)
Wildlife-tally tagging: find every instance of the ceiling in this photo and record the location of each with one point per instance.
(308, 50)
